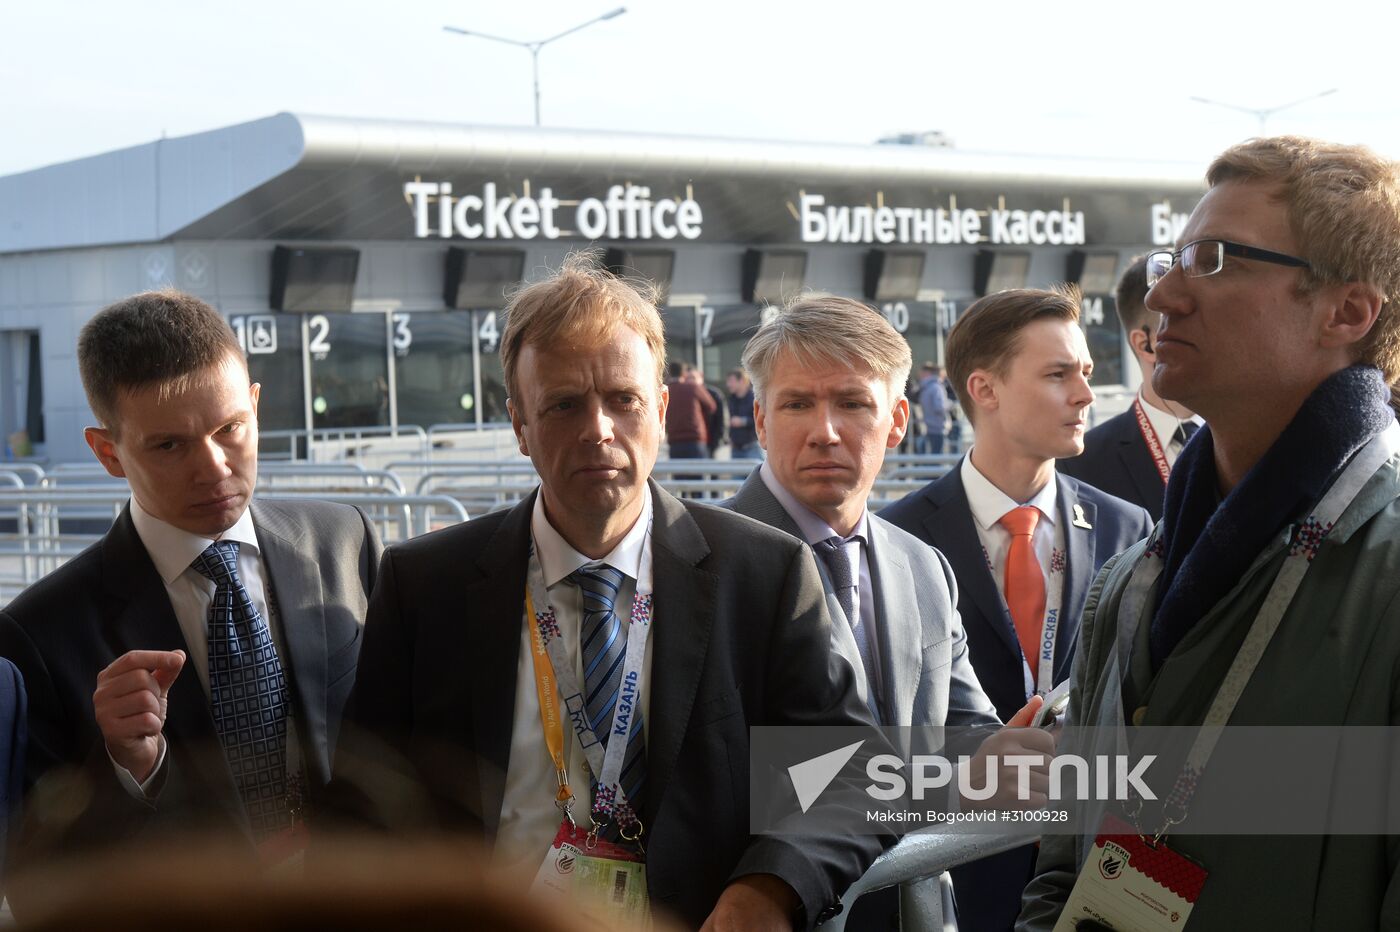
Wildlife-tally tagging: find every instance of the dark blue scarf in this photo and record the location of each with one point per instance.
(1209, 543)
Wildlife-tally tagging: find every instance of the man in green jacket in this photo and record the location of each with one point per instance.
(1280, 327)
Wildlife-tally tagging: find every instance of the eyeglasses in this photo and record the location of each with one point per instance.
(1207, 256)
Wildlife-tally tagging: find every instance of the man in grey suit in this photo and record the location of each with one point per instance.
(825, 372)
(828, 374)
(264, 601)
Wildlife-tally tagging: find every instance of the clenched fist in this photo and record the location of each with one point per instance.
(130, 702)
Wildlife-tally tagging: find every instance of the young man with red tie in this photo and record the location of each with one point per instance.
(1024, 542)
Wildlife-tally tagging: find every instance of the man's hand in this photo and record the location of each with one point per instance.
(754, 902)
(737, 421)
(1015, 738)
(130, 706)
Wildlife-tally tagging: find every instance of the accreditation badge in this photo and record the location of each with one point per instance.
(1132, 885)
(606, 882)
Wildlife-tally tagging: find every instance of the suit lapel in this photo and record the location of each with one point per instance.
(754, 500)
(294, 586)
(951, 529)
(1137, 461)
(685, 598)
(896, 625)
(144, 620)
(1079, 569)
(497, 605)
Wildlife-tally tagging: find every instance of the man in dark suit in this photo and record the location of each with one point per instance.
(264, 601)
(1131, 454)
(1024, 542)
(445, 727)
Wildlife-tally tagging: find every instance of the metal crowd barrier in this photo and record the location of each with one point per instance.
(915, 865)
(41, 528)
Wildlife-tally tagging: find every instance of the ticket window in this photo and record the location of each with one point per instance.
(434, 371)
(489, 326)
(349, 370)
(917, 322)
(724, 332)
(1104, 334)
(680, 327)
(21, 393)
(272, 344)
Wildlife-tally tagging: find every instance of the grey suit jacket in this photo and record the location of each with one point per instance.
(926, 677)
(321, 561)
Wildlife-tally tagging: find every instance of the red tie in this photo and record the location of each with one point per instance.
(1025, 581)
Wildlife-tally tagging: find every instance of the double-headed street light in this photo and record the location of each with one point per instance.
(535, 47)
(1263, 113)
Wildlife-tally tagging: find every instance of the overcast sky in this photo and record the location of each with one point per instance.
(1068, 78)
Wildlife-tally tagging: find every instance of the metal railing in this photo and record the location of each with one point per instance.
(43, 527)
(915, 865)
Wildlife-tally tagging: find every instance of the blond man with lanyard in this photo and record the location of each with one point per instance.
(1267, 595)
(576, 677)
(1131, 455)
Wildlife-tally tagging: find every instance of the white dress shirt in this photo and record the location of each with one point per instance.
(191, 593)
(1164, 424)
(989, 504)
(529, 818)
(857, 548)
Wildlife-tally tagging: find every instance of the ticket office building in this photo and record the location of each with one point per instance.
(363, 264)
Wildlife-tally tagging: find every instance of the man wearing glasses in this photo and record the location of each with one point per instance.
(1270, 591)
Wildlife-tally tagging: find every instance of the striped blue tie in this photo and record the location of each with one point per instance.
(604, 639)
(247, 691)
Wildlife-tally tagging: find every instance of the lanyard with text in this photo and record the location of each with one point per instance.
(553, 666)
(1307, 539)
(1154, 443)
(1044, 667)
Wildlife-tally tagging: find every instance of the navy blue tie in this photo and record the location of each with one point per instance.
(604, 645)
(247, 691)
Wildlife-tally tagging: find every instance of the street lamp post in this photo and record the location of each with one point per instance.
(1263, 113)
(534, 47)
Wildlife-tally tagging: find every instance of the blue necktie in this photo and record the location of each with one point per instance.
(604, 643)
(247, 691)
(843, 584)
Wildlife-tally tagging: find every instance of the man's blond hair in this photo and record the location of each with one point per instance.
(818, 328)
(579, 305)
(1344, 210)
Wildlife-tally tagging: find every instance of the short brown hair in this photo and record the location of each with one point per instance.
(583, 304)
(988, 334)
(1130, 297)
(1344, 210)
(817, 327)
(161, 338)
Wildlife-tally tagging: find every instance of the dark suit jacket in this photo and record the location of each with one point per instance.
(989, 891)
(1116, 460)
(741, 638)
(922, 647)
(14, 727)
(939, 515)
(65, 629)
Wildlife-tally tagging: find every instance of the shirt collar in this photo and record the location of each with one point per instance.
(173, 550)
(558, 559)
(1164, 423)
(814, 528)
(989, 503)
